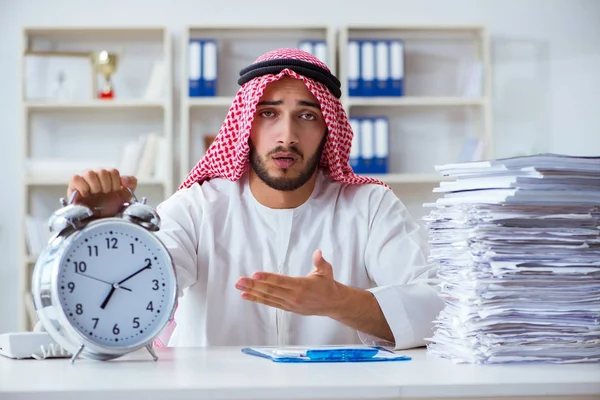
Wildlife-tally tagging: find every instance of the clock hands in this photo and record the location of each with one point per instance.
(105, 302)
(118, 285)
(136, 272)
(100, 280)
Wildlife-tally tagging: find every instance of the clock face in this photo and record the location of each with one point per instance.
(115, 284)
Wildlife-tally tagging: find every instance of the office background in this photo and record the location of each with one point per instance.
(545, 61)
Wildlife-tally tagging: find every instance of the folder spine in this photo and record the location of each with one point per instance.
(354, 81)
(355, 146)
(209, 68)
(396, 83)
(382, 68)
(382, 145)
(194, 67)
(367, 64)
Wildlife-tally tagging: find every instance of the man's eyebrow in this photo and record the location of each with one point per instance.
(309, 104)
(270, 103)
(305, 103)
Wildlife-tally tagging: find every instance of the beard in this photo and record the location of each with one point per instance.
(284, 183)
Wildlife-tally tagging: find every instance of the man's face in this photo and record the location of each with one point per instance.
(287, 136)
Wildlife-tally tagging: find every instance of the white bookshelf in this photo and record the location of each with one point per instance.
(414, 101)
(430, 122)
(216, 101)
(116, 104)
(238, 46)
(87, 129)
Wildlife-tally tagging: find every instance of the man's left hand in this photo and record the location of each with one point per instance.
(315, 294)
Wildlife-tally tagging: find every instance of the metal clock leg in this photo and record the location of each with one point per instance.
(151, 351)
(77, 353)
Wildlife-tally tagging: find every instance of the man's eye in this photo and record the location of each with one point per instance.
(309, 117)
(267, 114)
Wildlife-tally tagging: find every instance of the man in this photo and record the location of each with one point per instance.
(274, 239)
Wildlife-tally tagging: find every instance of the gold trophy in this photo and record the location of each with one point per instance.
(105, 63)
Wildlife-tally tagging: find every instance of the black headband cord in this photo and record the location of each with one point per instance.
(304, 68)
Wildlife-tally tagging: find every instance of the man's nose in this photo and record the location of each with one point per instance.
(287, 131)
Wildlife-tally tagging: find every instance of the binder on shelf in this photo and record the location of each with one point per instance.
(382, 69)
(369, 152)
(355, 146)
(472, 81)
(155, 88)
(209, 68)
(203, 65)
(367, 68)
(317, 48)
(367, 144)
(396, 83)
(194, 67)
(354, 68)
(382, 145)
(306, 45)
(320, 50)
(148, 157)
(471, 149)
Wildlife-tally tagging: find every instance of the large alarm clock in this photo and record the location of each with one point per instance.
(104, 287)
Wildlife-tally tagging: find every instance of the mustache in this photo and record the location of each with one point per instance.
(281, 149)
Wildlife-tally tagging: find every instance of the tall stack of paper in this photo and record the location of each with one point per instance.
(518, 246)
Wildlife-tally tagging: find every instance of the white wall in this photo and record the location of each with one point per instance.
(546, 58)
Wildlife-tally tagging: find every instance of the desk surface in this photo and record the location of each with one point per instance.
(226, 373)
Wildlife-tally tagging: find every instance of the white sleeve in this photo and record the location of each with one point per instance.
(395, 260)
(178, 234)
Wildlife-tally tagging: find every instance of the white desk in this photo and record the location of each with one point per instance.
(226, 373)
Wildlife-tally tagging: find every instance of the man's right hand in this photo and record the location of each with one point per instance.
(104, 190)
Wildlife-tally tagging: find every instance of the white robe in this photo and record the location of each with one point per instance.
(218, 232)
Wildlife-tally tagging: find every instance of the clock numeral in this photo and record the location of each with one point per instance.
(95, 322)
(155, 287)
(132, 248)
(150, 307)
(79, 309)
(80, 266)
(111, 243)
(71, 286)
(136, 322)
(116, 329)
(148, 262)
(93, 251)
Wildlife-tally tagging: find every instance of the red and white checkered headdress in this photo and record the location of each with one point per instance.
(228, 156)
